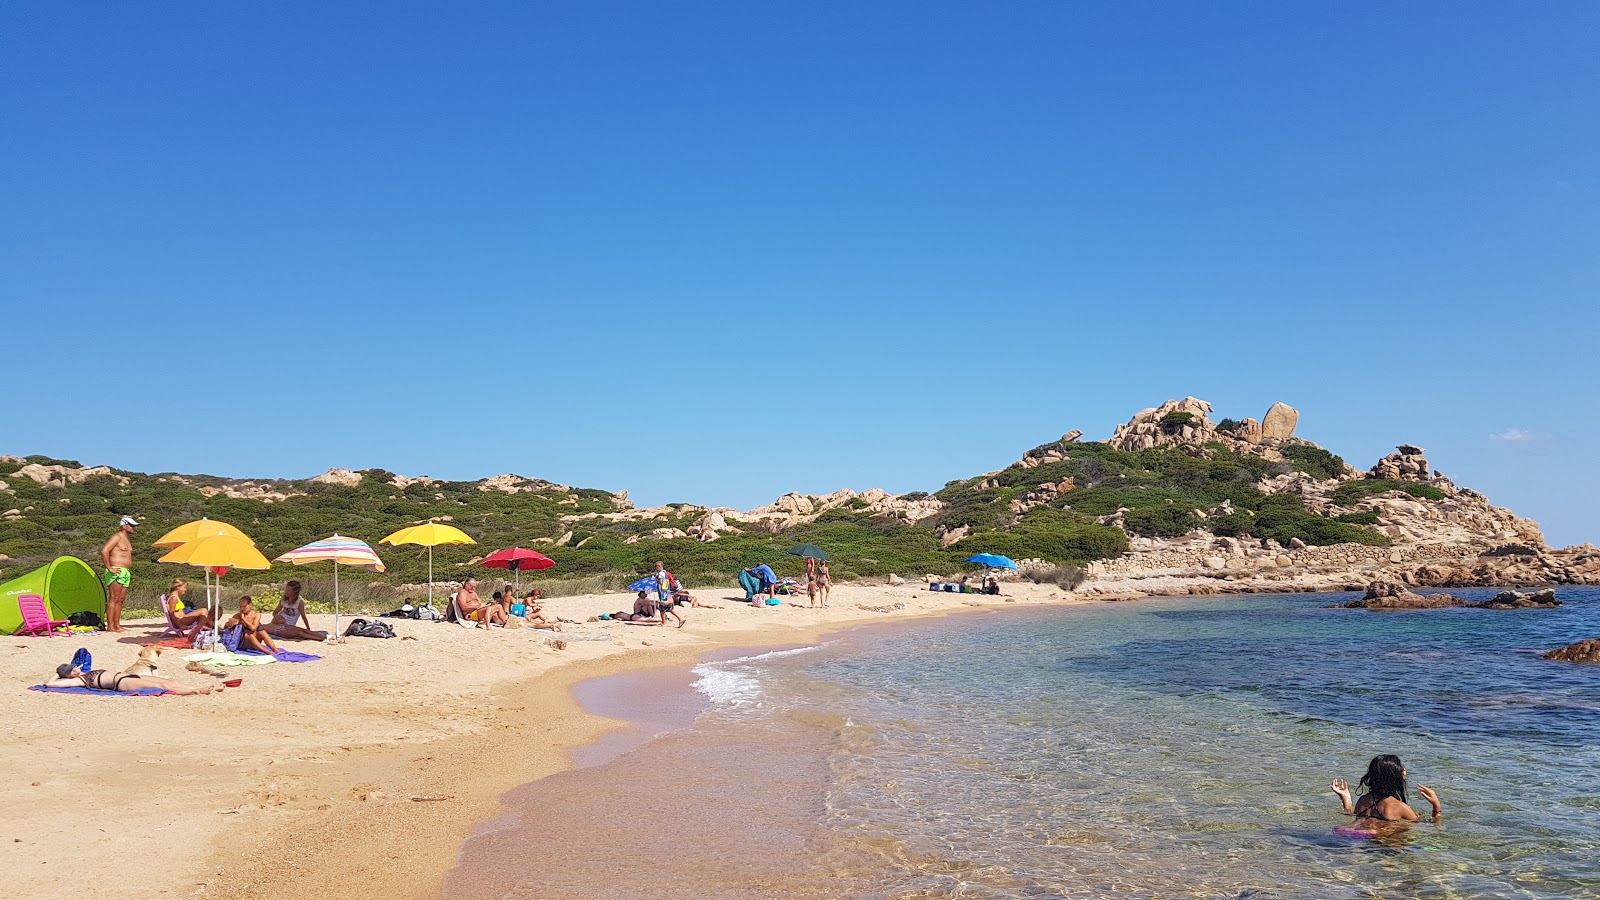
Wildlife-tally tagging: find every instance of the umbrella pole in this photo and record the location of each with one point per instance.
(430, 575)
(335, 597)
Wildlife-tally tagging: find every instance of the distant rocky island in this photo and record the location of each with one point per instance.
(1171, 502)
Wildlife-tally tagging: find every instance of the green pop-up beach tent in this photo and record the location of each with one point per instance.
(67, 585)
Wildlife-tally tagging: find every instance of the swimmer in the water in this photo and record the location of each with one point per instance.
(1385, 797)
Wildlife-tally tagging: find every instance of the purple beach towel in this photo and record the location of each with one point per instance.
(142, 692)
(282, 655)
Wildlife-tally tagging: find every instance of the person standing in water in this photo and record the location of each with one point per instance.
(1385, 797)
(117, 555)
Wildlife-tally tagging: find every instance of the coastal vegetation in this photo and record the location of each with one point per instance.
(1068, 504)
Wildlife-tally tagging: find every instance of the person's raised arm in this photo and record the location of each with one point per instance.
(1433, 800)
(1342, 789)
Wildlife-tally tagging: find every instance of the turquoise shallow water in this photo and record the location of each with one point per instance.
(1184, 747)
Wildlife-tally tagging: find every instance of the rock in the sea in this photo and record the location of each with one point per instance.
(1279, 422)
(1390, 595)
(1544, 599)
(1583, 651)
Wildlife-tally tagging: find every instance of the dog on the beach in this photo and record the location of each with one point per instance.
(146, 663)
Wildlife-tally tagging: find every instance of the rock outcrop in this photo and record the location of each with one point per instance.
(340, 477)
(1544, 599)
(1407, 463)
(1582, 652)
(1279, 422)
(1389, 595)
(61, 476)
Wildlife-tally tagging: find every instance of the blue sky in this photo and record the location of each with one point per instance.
(713, 252)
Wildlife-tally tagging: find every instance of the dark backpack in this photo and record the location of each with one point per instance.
(90, 619)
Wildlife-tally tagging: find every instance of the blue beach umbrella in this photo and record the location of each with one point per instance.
(647, 583)
(992, 560)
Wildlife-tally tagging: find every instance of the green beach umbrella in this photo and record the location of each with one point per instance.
(810, 551)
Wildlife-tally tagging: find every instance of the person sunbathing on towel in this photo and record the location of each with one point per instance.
(70, 676)
(681, 595)
(473, 609)
(292, 609)
(251, 635)
(187, 621)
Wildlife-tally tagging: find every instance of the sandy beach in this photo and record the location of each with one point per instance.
(358, 774)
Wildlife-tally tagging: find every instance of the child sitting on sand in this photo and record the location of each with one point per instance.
(251, 635)
(1385, 797)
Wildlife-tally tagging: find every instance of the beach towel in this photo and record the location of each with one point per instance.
(178, 642)
(283, 655)
(750, 583)
(229, 659)
(142, 692)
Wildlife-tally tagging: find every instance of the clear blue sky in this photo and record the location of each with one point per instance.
(713, 252)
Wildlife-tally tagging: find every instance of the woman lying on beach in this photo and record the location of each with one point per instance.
(186, 620)
(251, 635)
(1385, 797)
(69, 676)
(683, 596)
(292, 609)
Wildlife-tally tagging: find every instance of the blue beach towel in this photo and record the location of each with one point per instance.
(142, 692)
(283, 655)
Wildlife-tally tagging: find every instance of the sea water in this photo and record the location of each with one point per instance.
(1161, 748)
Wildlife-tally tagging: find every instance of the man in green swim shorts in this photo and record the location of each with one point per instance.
(117, 554)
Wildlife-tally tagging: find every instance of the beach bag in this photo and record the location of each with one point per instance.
(427, 613)
(364, 628)
(84, 618)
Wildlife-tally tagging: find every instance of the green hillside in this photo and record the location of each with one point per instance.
(1157, 489)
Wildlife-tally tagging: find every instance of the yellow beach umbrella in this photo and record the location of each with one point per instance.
(199, 528)
(220, 551)
(429, 535)
(194, 531)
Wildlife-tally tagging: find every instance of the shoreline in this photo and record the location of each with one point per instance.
(361, 773)
(365, 772)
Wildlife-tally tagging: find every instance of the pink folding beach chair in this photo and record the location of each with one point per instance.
(36, 618)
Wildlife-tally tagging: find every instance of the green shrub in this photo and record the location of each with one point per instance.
(1161, 521)
(1173, 422)
(1227, 425)
(1353, 492)
(1358, 518)
(1314, 461)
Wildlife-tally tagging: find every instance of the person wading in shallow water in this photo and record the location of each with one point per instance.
(117, 555)
(1385, 797)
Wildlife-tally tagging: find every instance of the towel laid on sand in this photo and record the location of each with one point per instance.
(282, 655)
(143, 692)
(229, 659)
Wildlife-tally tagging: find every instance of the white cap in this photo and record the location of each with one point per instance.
(130, 520)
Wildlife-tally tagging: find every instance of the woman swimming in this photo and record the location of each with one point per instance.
(1385, 797)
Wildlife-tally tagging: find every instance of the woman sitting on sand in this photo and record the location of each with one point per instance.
(1385, 797)
(292, 609)
(252, 636)
(534, 613)
(70, 676)
(187, 621)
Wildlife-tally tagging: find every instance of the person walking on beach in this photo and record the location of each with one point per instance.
(666, 586)
(117, 556)
(811, 580)
(823, 580)
(1385, 797)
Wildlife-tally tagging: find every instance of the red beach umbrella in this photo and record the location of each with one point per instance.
(518, 560)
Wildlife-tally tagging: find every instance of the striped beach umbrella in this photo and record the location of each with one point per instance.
(339, 550)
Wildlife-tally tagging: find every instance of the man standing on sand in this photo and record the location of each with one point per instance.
(117, 555)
